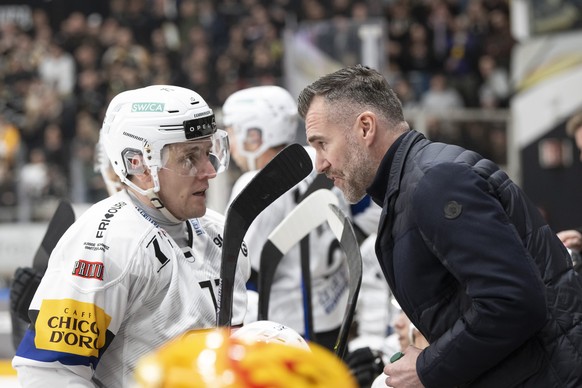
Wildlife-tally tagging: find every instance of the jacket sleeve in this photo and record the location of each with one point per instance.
(466, 228)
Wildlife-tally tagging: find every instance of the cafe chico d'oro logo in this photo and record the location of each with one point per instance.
(70, 326)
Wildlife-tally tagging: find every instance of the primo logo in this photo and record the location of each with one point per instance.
(147, 107)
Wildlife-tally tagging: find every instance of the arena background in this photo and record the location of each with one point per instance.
(512, 109)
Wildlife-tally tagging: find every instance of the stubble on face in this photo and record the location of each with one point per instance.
(356, 173)
(349, 162)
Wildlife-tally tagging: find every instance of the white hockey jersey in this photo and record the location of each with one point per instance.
(328, 269)
(117, 287)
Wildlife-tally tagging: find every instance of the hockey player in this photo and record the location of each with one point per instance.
(140, 267)
(261, 121)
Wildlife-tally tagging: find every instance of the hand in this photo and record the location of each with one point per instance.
(571, 239)
(365, 364)
(402, 373)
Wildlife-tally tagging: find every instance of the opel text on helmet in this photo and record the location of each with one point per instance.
(268, 109)
(140, 123)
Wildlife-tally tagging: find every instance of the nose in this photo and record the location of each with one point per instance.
(321, 164)
(208, 172)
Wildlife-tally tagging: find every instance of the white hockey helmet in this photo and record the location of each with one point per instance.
(269, 331)
(143, 121)
(103, 166)
(271, 109)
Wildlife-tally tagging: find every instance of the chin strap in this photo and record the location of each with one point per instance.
(157, 202)
(152, 194)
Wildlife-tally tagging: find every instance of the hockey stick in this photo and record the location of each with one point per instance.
(344, 231)
(320, 182)
(26, 279)
(63, 218)
(285, 170)
(306, 216)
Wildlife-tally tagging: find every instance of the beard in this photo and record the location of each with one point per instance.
(358, 172)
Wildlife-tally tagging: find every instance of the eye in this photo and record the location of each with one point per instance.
(191, 158)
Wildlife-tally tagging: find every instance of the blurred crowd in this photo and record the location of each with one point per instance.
(57, 78)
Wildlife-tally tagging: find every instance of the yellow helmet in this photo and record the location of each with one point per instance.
(214, 359)
(269, 331)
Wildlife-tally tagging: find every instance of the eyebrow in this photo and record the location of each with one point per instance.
(314, 138)
(184, 150)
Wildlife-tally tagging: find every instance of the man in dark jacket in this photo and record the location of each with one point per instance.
(572, 238)
(468, 257)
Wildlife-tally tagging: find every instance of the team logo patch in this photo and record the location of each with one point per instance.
(197, 227)
(70, 326)
(88, 269)
(147, 107)
(104, 223)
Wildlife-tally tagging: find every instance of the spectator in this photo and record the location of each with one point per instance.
(418, 59)
(32, 184)
(499, 41)
(399, 24)
(242, 47)
(56, 153)
(494, 90)
(9, 141)
(57, 69)
(42, 105)
(406, 93)
(441, 97)
(85, 181)
(461, 61)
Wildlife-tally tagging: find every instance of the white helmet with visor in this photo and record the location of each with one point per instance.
(270, 109)
(142, 122)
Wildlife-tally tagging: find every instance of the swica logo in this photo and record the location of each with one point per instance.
(147, 107)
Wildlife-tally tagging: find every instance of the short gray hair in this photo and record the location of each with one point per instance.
(355, 86)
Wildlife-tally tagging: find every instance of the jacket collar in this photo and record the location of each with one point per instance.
(384, 190)
(385, 185)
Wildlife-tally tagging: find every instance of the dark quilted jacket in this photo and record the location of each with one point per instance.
(478, 271)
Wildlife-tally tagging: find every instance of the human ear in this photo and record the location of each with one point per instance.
(368, 125)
